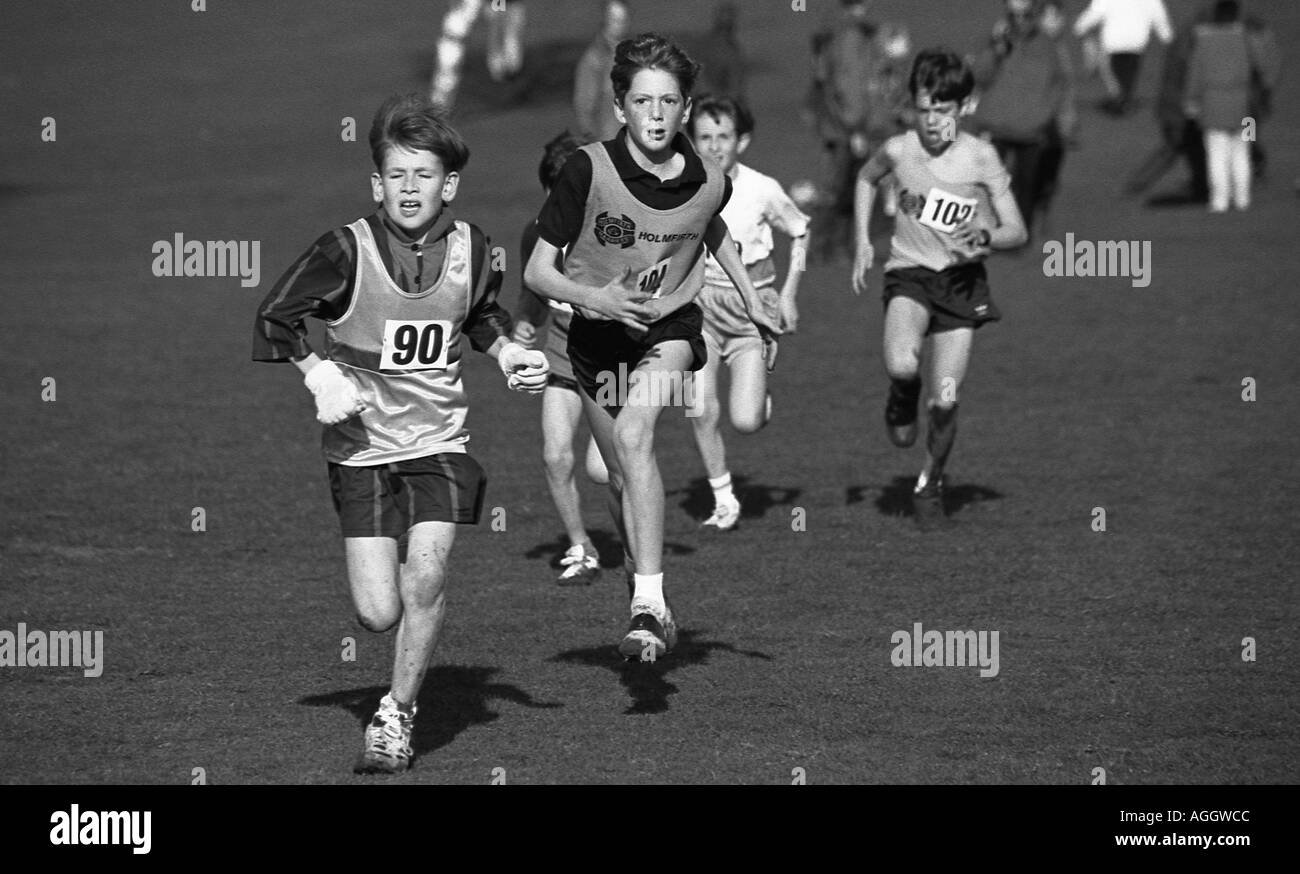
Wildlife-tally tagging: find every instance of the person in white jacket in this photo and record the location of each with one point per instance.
(1125, 30)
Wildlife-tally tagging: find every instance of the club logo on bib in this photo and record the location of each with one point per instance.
(619, 231)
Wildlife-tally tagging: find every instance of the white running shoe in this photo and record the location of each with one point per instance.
(580, 567)
(725, 516)
(646, 639)
(388, 740)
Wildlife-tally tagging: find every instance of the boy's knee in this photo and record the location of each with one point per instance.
(423, 590)
(377, 619)
(632, 437)
(748, 421)
(706, 412)
(558, 461)
(902, 364)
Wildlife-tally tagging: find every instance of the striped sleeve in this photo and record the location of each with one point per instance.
(318, 284)
(487, 319)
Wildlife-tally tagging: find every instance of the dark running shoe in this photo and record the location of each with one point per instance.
(900, 417)
(927, 503)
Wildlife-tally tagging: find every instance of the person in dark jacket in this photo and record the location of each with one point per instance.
(1218, 93)
(1028, 105)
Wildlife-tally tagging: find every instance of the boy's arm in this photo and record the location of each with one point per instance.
(787, 218)
(318, 284)
(488, 324)
(533, 311)
(718, 240)
(1010, 232)
(864, 200)
(617, 301)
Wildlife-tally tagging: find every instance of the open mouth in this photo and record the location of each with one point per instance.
(409, 208)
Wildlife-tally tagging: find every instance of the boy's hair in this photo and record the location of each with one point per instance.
(411, 121)
(650, 51)
(719, 106)
(941, 73)
(554, 154)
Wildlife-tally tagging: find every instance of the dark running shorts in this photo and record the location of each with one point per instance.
(564, 382)
(600, 347)
(955, 298)
(385, 500)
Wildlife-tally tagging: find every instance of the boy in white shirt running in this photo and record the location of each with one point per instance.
(722, 129)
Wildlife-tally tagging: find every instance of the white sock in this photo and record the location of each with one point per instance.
(649, 589)
(722, 489)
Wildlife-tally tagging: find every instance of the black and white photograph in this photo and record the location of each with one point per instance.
(650, 393)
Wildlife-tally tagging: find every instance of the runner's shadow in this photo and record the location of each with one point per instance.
(453, 698)
(755, 499)
(895, 499)
(606, 543)
(647, 682)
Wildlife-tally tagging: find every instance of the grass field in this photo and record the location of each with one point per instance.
(1120, 649)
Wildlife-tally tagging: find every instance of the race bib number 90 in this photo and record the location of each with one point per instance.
(415, 345)
(944, 211)
(651, 280)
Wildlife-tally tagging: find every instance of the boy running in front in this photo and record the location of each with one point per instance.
(636, 214)
(722, 128)
(397, 290)
(935, 282)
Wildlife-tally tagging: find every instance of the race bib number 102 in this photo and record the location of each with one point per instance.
(944, 211)
(415, 345)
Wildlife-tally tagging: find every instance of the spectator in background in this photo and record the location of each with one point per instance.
(1266, 70)
(505, 50)
(1028, 105)
(856, 100)
(1218, 92)
(1180, 136)
(593, 92)
(1126, 27)
(721, 57)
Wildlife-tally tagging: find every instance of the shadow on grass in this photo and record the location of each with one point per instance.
(755, 499)
(647, 682)
(453, 698)
(607, 544)
(895, 499)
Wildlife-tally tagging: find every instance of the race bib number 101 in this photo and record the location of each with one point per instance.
(415, 345)
(944, 211)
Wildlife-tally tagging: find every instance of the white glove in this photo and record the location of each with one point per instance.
(525, 369)
(337, 398)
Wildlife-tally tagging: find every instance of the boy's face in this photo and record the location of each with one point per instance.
(937, 120)
(715, 138)
(653, 110)
(413, 188)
